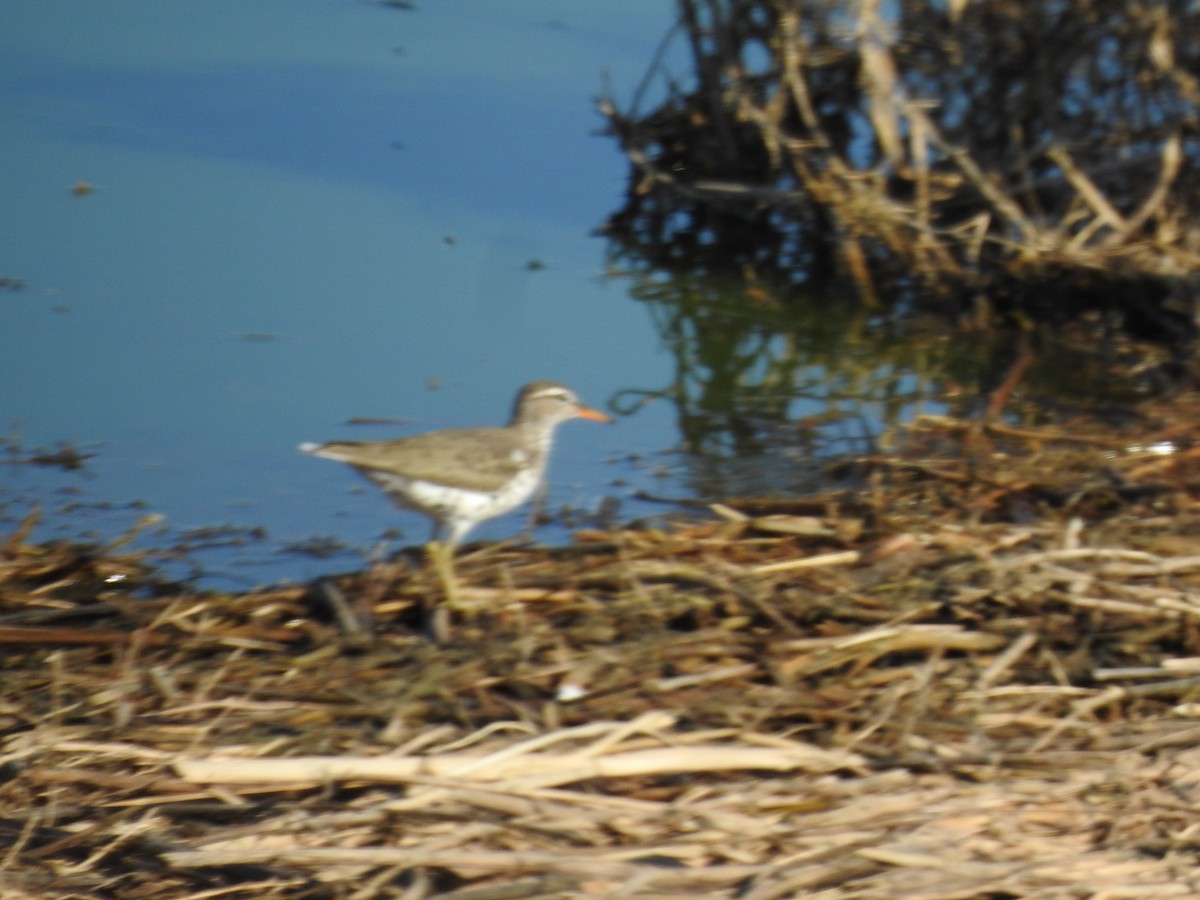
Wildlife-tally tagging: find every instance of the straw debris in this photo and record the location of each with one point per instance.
(976, 675)
(974, 149)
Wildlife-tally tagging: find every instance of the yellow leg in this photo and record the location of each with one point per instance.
(441, 556)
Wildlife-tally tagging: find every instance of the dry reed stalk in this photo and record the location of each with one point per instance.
(908, 141)
(973, 703)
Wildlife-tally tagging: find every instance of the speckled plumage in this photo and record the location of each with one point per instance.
(461, 476)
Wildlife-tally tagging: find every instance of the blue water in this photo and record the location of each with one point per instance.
(302, 212)
(231, 227)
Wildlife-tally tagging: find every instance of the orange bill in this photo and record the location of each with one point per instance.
(586, 412)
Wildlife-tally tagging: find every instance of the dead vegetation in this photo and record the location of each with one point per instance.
(972, 147)
(977, 675)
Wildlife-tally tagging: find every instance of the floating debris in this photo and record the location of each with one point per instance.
(957, 680)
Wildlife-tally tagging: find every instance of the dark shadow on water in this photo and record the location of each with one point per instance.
(772, 382)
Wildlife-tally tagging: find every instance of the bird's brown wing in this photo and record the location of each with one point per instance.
(480, 459)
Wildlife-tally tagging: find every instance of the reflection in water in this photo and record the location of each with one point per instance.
(809, 175)
(761, 384)
(772, 383)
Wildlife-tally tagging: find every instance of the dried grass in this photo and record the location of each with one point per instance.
(977, 676)
(967, 146)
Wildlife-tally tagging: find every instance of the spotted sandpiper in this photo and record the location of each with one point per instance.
(462, 476)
